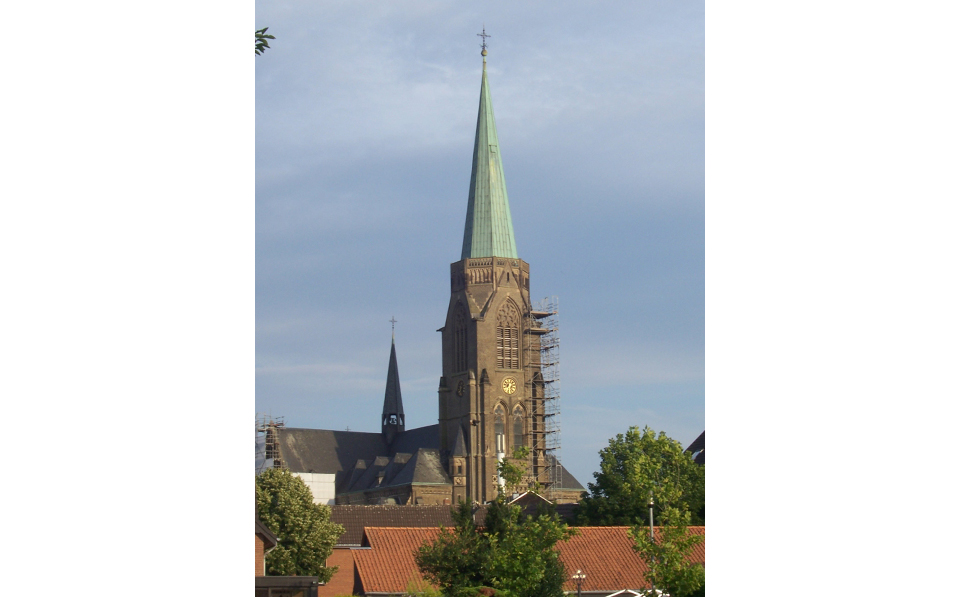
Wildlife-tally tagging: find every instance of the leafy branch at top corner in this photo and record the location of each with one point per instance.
(261, 38)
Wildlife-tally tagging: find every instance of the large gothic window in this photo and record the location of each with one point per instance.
(508, 337)
(517, 427)
(460, 339)
(498, 430)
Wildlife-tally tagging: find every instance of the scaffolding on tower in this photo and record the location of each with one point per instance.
(542, 349)
(268, 443)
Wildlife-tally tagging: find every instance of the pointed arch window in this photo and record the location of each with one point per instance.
(460, 339)
(517, 427)
(508, 337)
(499, 430)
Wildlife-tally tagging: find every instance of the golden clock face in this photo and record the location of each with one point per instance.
(509, 385)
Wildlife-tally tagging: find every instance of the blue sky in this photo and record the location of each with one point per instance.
(365, 116)
(831, 249)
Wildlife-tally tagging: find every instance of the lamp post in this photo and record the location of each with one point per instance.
(579, 577)
(653, 584)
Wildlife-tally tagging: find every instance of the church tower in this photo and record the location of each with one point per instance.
(392, 417)
(491, 390)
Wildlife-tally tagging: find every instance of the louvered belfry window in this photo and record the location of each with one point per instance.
(508, 337)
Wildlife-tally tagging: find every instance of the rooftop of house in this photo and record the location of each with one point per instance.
(355, 517)
(604, 554)
(698, 448)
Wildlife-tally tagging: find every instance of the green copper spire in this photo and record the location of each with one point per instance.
(489, 230)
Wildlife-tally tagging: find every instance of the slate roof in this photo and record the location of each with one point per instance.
(392, 400)
(412, 440)
(339, 452)
(604, 554)
(355, 517)
(362, 460)
(698, 447)
(424, 468)
(567, 481)
(373, 474)
(460, 446)
(327, 451)
(421, 468)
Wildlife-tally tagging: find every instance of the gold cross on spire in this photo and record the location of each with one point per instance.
(483, 45)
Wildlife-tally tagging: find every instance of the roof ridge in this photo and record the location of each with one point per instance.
(431, 529)
(328, 430)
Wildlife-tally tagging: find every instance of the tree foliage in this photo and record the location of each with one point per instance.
(669, 569)
(305, 535)
(515, 472)
(261, 40)
(455, 559)
(512, 553)
(636, 465)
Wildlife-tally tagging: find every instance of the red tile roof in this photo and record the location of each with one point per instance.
(604, 554)
(389, 566)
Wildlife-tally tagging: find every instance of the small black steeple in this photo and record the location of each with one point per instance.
(392, 402)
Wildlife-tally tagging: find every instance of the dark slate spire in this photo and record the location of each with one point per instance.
(489, 229)
(460, 448)
(392, 402)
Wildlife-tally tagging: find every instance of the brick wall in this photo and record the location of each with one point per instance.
(259, 557)
(344, 579)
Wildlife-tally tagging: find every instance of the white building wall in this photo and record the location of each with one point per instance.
(322, 487)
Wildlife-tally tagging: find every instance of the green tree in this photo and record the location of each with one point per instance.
(455, 559)
(634, 466)
(514, 472)
(513, 554)
(667, 555)
(305, 535)
(261, 40)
